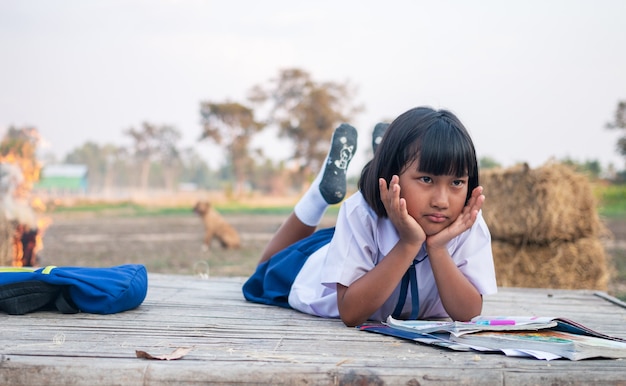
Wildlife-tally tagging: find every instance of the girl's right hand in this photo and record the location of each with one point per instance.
(408, 229)
(357, 302)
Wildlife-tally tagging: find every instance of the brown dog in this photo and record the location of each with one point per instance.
(216, 227)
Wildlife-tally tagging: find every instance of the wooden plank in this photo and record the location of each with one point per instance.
(237, 342)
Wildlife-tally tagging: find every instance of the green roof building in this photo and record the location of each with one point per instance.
(63, 179)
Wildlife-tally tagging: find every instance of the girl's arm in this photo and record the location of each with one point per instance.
(367, 294)
(459, 297)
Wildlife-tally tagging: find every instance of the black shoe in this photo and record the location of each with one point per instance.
(377, 135)
(342, 149)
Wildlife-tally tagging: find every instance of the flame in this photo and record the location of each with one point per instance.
(18, 148)
(18, 249)
(42, 224)
(38, 205)
(23, 155)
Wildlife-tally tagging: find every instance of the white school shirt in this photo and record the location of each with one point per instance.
(362, 239)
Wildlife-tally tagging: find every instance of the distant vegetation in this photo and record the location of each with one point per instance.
(292, 105)
(612, 200)
(611, 204)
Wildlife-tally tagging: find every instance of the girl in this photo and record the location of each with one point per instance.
(410, 243)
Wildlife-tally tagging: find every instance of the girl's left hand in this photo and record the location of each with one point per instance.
(463, 222)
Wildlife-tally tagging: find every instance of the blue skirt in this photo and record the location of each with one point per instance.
(272, 280)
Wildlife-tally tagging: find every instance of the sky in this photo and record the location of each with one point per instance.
(532, 80)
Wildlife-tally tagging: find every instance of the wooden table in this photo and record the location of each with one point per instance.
(237, 342)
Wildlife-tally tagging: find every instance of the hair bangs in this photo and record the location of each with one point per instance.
(446, 150)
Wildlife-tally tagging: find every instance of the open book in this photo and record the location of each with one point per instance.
(479, 323)
(539, 337)
(563, 344)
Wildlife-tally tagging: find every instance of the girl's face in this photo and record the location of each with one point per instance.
(433, 201)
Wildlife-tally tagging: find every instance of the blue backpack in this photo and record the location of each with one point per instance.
(72, 289)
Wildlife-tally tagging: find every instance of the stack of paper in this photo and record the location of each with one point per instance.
(540, 337)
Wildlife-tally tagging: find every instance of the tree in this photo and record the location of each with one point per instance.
(116, 159)
(488, 163)
(196, 171)
(619, 122)
(168, 155)
(154, 143)
(306, 112)
(91, 155)
(590, 167)
(231, 125)
(102, 162)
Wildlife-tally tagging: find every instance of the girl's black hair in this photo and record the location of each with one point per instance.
(436, 138)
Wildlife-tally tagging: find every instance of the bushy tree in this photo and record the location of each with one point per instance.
(590, 167)
(154, 143)
(619, 122)
(196, 171)
(232, 126)
(305, 111)
(488, 163)
(104, 163)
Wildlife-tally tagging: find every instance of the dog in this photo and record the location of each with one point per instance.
(216, 227)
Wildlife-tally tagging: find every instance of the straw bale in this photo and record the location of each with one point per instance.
(580, 264)
(541, 205)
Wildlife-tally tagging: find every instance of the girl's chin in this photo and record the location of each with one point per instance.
(433, 229)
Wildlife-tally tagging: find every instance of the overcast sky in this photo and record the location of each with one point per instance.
(531, 79)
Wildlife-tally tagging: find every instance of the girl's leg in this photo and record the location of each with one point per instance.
(329, 187)
(290, 231)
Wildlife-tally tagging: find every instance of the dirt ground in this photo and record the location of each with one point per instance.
(172, 244)
(164, 244)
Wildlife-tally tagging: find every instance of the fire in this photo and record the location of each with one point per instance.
(19, 170)
(19, 148)
(24, 242)
(42, 224)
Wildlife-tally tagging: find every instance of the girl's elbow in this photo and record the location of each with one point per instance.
(351, 321)
(467, 313)
(350, 324)
(351, 317)
(465, 317)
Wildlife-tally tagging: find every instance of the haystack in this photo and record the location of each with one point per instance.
(6, 240)
(579, 264)
(546, 232)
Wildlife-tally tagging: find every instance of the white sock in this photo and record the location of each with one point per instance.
(311, 207)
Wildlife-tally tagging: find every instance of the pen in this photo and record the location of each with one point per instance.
(496, 322)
